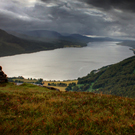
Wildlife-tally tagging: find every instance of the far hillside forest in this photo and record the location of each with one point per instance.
(117, 79)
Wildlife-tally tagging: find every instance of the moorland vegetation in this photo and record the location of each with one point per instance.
(30, 109)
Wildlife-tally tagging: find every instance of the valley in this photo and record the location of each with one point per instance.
(67, 67)
(116, 79)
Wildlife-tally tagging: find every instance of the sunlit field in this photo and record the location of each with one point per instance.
(56, 82)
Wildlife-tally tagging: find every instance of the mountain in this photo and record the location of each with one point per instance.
(53, 36)
(43, 33)
(11, 45)
(128, 43)
(38, 35)
(78, 37)
(117, 79)
(86, 39)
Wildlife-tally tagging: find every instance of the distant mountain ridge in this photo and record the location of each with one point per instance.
(12, 42)
(128, 43)
(11, 45)
(46, 35)
(43, 33)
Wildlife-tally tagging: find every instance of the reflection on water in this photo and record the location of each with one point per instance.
(65, 63)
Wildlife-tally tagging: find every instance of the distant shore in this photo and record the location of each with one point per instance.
(49, 49)
(20, 80)
(127, 43)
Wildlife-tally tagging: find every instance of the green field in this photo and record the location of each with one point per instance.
(33, 110)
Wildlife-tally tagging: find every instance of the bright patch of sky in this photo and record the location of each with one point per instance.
(26, 3)
(94, 36)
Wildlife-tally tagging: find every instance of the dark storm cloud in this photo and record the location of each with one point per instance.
(62, 16)
(97, 17)
(74, 17)
(109, 4)
(105, 4)
(120, 12)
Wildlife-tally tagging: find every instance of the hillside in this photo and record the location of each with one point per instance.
(29, 109)
(11, 45)
(117, 79)
(128, 43)
(53, 36)
(43, 33)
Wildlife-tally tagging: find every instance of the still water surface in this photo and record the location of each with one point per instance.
(65, 63)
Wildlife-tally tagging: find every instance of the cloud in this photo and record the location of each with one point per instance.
(89, 17)
(120, 12)
(109, 4)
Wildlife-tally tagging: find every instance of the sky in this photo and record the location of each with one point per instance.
(113, 18)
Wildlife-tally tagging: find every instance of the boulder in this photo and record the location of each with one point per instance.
(3, 76)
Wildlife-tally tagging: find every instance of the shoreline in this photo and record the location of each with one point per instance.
(74, 46)
(45, 83)
(131, 47)
(48, 77)
(127, 43)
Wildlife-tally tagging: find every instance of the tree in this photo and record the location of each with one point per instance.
(75, 88)
(68, 88)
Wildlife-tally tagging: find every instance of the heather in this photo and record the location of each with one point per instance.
(29, 109)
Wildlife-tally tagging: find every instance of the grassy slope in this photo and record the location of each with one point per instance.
(29, 109)
(61, 88)
(118, 79)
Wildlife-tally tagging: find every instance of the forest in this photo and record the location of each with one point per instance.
(117, 79)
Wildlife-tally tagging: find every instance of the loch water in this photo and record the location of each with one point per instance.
(65, 63)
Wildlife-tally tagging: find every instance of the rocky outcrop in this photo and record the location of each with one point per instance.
(3, 76)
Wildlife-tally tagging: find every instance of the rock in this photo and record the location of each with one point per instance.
(3, 76)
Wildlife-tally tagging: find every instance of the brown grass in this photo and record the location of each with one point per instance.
(33, 110)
